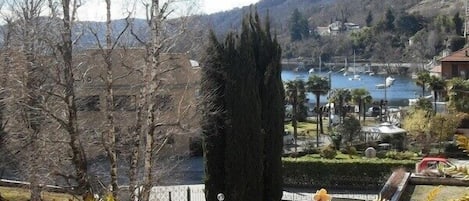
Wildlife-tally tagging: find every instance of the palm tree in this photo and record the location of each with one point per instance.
(360, 96)
(339, 97)
(366, 100)
(422, 80)
(437, 85)
(318, 86)
(458, 94)
(294, 97)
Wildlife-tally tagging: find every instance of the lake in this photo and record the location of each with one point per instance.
(397, 94)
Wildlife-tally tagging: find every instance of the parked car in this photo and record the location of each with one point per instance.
(373, 112)
(288, 137)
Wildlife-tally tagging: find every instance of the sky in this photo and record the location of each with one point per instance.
(211, 6)
(92, 10)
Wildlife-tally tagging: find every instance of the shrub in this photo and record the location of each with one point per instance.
(400, 155)
(381, 154)
(351, 150)
(328, 152)
(453, 151)
(345, 173)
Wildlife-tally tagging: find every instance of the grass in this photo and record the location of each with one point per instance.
(421, 192)
(21, 194)
(309, 128)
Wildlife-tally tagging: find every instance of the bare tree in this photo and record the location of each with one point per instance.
(26, 28)
(151, 125)
(62, 104)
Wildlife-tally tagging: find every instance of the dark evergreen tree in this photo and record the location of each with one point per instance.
(409, 24)
(369, 19)
(458, 24)
(273, 111)
(389, 20)
(213, 116)
(243, 115)
(299, 28)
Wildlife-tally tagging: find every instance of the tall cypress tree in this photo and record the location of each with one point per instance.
(273, 111)
(243, 115)
(213, 116)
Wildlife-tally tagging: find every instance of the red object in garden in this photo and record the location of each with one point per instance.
(431, 164)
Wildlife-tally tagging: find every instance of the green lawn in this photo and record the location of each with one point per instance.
(309, 128)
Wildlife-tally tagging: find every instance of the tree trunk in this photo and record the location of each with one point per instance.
(109, 139)
(359, 109)
(317, 119)
(78, 154)
(364, 112)
(294, 123)
(137, 135)
(150, 82)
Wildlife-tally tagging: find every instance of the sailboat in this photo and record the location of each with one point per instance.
(345, 68)
(369, 72)
(388, 82)
(355, 76)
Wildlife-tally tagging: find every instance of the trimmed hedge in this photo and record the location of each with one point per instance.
(351, 174)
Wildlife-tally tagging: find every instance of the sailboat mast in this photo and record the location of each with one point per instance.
(354, 67)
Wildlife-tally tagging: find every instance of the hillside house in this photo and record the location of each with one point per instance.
(455, 64)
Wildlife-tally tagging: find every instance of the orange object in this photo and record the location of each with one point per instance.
(321, 195)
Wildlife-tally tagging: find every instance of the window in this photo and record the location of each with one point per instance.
(125, 103)
(88, 103)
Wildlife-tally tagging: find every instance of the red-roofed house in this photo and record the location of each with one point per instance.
(456, 64)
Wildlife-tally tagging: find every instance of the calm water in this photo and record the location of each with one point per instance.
(397, 94)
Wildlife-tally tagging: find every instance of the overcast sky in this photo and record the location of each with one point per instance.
(94, 9)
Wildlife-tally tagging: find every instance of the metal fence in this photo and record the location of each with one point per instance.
(178, 193)
(196, 193)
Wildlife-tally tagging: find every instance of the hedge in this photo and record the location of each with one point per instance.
(347, 174)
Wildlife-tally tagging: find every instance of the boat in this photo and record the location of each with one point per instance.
(355, 76)
(381, 86)
(413, 101)
(390, 80)
(311, 70)
(371, 73)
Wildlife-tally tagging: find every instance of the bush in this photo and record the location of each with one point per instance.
(400, 155)
(328, 152)
(345, 173)
(453, 151)
(350, 150)
(381, 154)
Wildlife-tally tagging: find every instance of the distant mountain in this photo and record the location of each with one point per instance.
(318, 13)
(322, 12)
